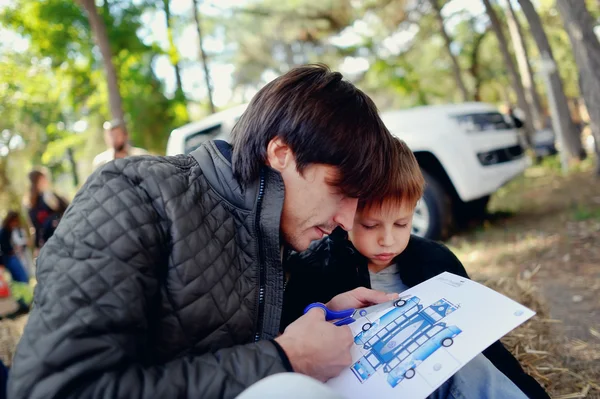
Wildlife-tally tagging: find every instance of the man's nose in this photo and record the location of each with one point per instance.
(345, 215)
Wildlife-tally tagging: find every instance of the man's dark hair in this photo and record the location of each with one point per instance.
(325, 120)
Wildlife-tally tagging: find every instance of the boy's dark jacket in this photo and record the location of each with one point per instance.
(332, 266)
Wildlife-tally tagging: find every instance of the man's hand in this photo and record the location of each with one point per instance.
(316, 347)
(359, 298)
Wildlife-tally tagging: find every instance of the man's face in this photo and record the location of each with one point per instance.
(311, 206)
(43, 184)
(382, 233)
(116, 138)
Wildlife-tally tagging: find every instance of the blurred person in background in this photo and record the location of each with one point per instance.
(20, 291)
(117, 141)
(21, 244)
(44, 207)
(10, 258)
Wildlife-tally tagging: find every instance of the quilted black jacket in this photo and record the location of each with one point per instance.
(332, 266)
(163, 280)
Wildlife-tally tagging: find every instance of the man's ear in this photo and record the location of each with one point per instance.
(279, 155)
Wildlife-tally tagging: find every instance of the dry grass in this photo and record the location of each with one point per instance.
(541, 247)
(10, 334)
(566, 368)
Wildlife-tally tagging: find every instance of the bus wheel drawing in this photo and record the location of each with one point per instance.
(410, 373)
(399, 303)
(447, 342)
(367, 326)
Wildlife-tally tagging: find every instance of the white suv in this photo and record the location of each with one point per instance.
(466, 151)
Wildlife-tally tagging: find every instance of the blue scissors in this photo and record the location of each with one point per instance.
(348, 316)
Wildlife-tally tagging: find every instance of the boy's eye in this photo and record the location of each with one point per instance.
(368, 227)
(401, 225)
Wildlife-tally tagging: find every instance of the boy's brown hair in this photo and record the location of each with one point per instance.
(405, 181)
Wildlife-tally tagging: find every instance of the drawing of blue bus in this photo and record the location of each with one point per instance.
(403, 309)
(405, 341)
(406, 368)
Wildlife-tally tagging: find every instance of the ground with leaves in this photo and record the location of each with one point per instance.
(541, 246)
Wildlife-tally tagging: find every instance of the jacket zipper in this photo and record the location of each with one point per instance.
(261, 259)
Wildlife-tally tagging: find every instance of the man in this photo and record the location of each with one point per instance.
(164, 277)
(117, 141)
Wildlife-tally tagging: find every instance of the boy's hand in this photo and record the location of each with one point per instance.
(359, 298)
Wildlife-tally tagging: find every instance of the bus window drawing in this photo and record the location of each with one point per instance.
(403, 338)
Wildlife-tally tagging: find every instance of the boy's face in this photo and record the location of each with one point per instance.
(382, 233)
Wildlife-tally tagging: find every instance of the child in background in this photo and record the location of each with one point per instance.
(10, 257)
(20, 243)
(20, 290)
(380, 253)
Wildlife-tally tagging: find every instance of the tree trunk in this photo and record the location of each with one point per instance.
(571, 136)
(579, 25)
(531, 94)
(512, 70)
(8, 191)
(101, 37)
(209, 89)
(474, 69)
(448, 42)
(71, 158)
(173, 54)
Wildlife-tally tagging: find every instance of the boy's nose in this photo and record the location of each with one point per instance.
(386, 240)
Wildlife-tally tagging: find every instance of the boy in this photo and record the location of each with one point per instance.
(380, 253)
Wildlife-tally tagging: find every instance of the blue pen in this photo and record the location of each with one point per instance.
(348, 316)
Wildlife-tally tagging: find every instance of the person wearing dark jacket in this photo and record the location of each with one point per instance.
(44, 207)
(380, 253)
(164, 278)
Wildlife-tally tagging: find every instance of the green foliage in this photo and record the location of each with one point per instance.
(284, 34)
(58, 30)
(561, 47)
(583, 212)
(59, 80)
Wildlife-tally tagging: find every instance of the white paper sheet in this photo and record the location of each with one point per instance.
(408, 351)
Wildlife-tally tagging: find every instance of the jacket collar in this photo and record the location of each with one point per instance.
(214, 158)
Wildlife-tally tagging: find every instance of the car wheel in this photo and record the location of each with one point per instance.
(447, 342)
(475, 210)
(399, 303)
(410, 373)
(433, 214)
(367, 326)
